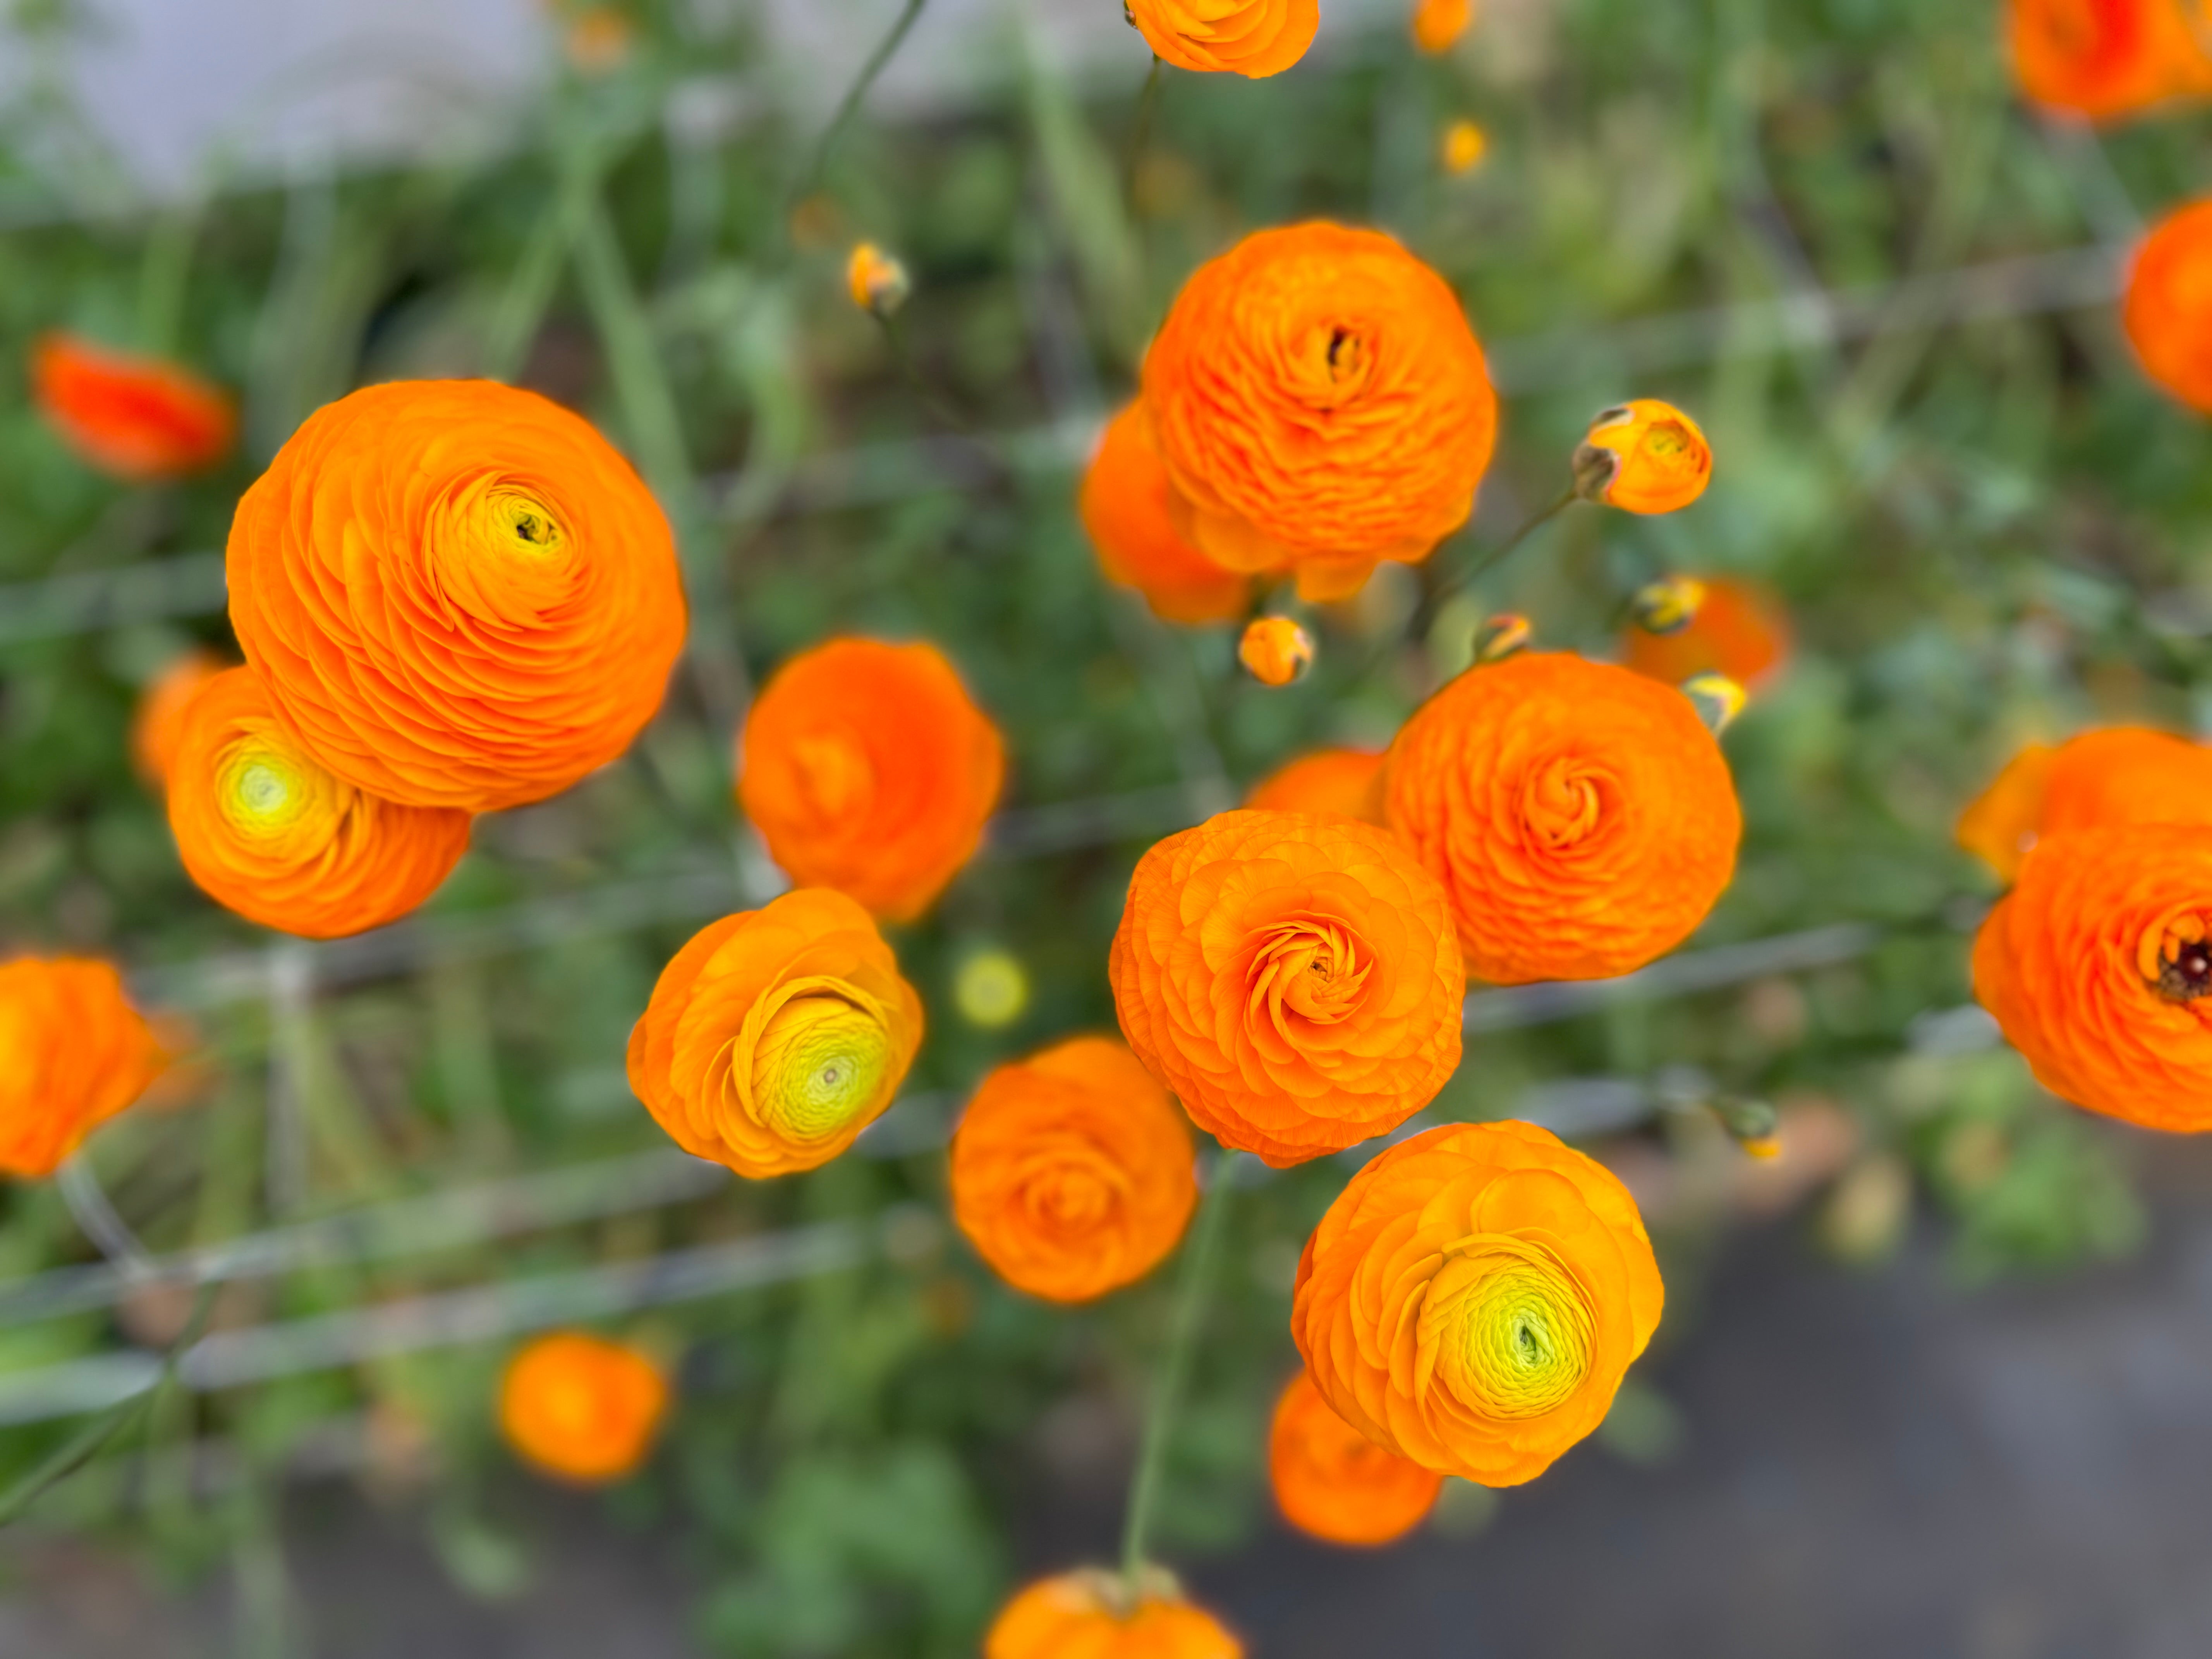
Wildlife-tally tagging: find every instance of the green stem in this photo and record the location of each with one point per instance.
(529, 291)
(1141, 136)
(1425, 613)
(162, 277)
(1192, 1294)
(848, 106)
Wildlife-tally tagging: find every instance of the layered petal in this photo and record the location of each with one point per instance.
(1347, 783)
(2167, 309)
(1333, 1482)
(2100, 780)
(1251, 38)
(73, 1053)
(157, 725)
(1089, 1615)
(1127, 511)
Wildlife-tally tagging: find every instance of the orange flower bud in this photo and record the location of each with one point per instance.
(1718, 699)
(1505, 635)
(2168, 311)
(867, 768)
(158, 724)
(1125, 510)
(1073, 1172)
(1643, 457)
(1094, 1615)
(581, 1409)
(2099, 779)
(139, 419)
(268, 833)
(1463, 147)
(878, 284)
(1251, 38)
(1275, 650)
(1333, 1481)
(2103, 58)
(1734, 628)
(1439, 24)
(73, 1053)
(1344, 781)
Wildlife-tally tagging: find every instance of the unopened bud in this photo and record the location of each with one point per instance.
(1754, 1124)
(1668, 605)
(1643, 457)
(1502, 635)
(1464, 146)
(1718, 698)
(880, 284)
(1275, 650)
(990, 989)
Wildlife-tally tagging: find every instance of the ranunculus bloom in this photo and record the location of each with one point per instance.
(1739, 630)
(138, 419)
(458, 593)
(1073, 1172)
(1252, 38)
(1439, 24)
(270, 834)
(1125, 507)
(1346, 781)
(1275, 650)
(1088, 1615)
(157, 725)
(2099, 779)
(1292, 979)
(2103, 58)
(867, 768)
(73, 1053)
(580, 1408)
(2167, 312)
(1643, 456)
(2098, 966)
(1580, 816)
(776, 1036)
(1333, 1481)
(1321, 406)
(1474, 1298)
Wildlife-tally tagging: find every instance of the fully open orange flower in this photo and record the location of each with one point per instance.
(2103, 58)
(1581, 817)
(157, 725)
(73, 1053)
(1089, 1615)
(2167, 312)
(1072, 1171)
(1439, 24)
(1125, 507)
(1292, 979)
(1344, 781)
(457, 593)
(776, 1036)
(1643, 456)
(1252, 38)
(868, 768)
(580, 1408)
(1321, 406)
(2098, 966)
(1333, 1481)
(2099, 779)
(270, 834)
(1739, 630)
(1474, 1298)
(135, 418)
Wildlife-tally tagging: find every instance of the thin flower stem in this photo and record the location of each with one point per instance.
(902, 355)
(825, 146)
(1425, 613)
(529, 291)
(1141, 136)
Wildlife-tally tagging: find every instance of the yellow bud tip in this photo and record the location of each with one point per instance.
(1718, 699)
(1464, 146)
(1501, 636)
(1766, 1147)
(878, 284)
(1275, 650)
(990, 989)
(1668, 606)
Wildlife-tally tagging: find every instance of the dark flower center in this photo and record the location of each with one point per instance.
(2189, 976)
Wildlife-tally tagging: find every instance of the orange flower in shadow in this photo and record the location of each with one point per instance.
(1347, 783)
(581, 1409)
(139, 419)
(1251, 38)
(73, 1053)
(157, 725)
(2100, 780)
(1739, 630)
(1333, 1481)
(1125, 507)
(1092, 1615)
(2106, 58)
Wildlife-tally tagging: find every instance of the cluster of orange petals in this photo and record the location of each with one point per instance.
(2122, 775)
(867, 768)
(1293, 980)
(1333, 1481)
(2105, 58)
(1643, 456)
(1474, 1298)
(1344, 782)
(1580, 817)
(138, 419)
(1252, 38)
(1439, 24)
(73, 1053)
(1319, 405)
(776, 1036)
(2168, 310)
(1126, 508)
(1088, 1615)
(157, 725)
(457, 593)
(270, 834)
(582, 1408)
(1073, 1172)
(1739, 630)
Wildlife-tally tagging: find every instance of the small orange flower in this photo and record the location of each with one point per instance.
(139, 419)
(1474, 1298)
(1292, 979)
(1439, 24)
(1643, 457)
(1739, 630)
(2099, 779)
(878, 284)
(1333, 1481)
(2103, 58)
(2167, 312)
(776, 1036)
(268, 833)
(1580, 817)
(867, 768)
(1072, 1171)
(457, 593)
(1251, 38)
(158, 724)
(1321, 406)
(581, 1409)
(1463, 147)
(1275, 650)
(1090, 1616)
(1125, 510)
(73, 1053)
(1344, 781)
(2098, 966)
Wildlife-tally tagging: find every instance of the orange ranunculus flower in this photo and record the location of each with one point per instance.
(1344, 781)
(2103, 58)
(581, 1408)
(1439, 24)
(1292, 979)
(1643, 456)
(138, 419)
(1089, 1615)
(270, 834)
(457, 593)
(776, 1036)
(1333, 1481)
(1275, 650)
(157, 725)
(1474, 1298)
(2168, 311)
(1125, 507)
(1073, 1172)
(1321, 406)
(1251, 38)
(2097, 781)
(73, 1053)
(1580, 816)
(1739, 630)
(2098, 966)
(868, 768)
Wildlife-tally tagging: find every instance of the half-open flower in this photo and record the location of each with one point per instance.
(73, 1053)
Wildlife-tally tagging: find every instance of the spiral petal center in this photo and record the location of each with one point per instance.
(1505, 1327)
(818, 1065)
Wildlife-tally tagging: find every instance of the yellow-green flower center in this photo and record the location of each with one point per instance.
(525, 524)
(1506, 1327)
(262, 792)
(820, 1062)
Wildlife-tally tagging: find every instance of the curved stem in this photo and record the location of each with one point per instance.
(1425, 613)
(1141, 136)
(850, 104)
